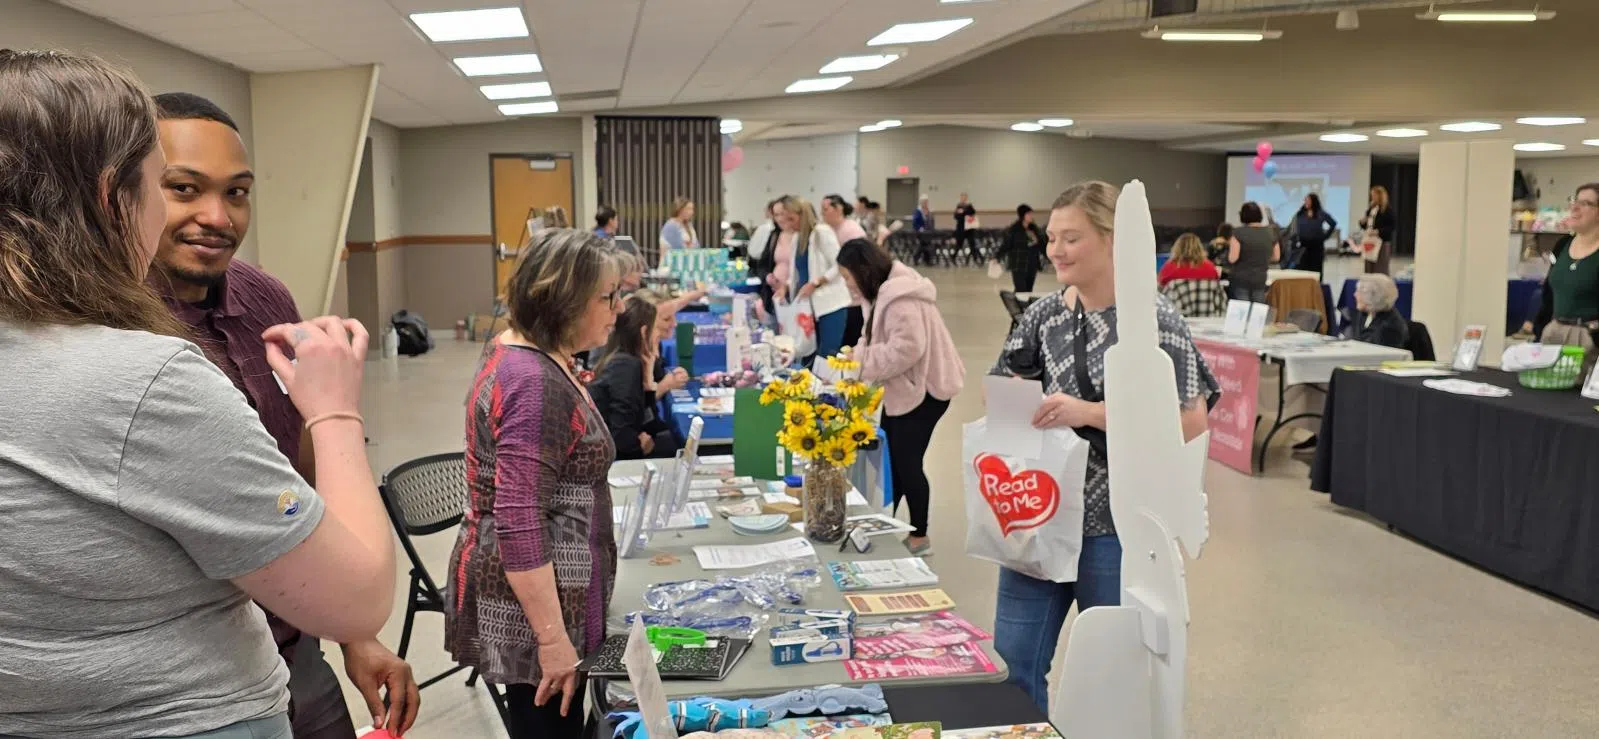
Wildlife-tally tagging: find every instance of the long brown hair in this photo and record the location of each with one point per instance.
(629, 336)
(807, 221)
(74, 133)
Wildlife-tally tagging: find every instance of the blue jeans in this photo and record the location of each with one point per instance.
(830, 332)
(1031, 612)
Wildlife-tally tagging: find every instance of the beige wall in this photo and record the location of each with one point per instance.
(386, 181)
(1558, 179)
(340, 305)
(444, 282)
(311, 128)
(1001, 169)
(446, 170)
(35, 24)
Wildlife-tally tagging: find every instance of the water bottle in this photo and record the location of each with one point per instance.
(391, 343)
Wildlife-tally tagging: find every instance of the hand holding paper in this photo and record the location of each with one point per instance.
(1012, 403)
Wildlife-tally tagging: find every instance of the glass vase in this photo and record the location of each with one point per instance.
(826, 501)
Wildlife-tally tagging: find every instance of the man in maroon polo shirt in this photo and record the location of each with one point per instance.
(228, 304)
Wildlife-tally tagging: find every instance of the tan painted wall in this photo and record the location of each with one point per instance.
(444, 282)
(310, 129)
(446, 170)
(340, 305)
(35, 24)
(1558, 179)
(386, 181)
(1001, 169)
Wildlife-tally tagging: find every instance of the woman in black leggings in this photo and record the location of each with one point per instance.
(907, 349)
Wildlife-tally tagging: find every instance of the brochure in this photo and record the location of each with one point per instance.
(889, 604)
(902, 636)
(1019, 731)
(908, 572)
(960, 659)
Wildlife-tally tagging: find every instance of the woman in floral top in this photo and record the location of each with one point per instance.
(531, 575)
(1045, 346)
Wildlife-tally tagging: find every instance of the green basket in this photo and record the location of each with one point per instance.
(1564, 374)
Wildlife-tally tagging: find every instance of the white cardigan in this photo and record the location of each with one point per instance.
(823, 260)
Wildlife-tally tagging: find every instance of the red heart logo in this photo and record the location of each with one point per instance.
(807, 324)
(1020, 501)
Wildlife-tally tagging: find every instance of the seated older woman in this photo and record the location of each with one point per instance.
(1374, 319)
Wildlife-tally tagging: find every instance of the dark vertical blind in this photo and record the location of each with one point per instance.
(643, 164)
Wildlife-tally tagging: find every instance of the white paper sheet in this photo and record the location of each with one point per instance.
(855, 498)
(752, 555)
(1011, 404)
(639, 657)
(695, 515)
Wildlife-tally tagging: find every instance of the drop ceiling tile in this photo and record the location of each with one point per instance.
(118, 9)
(285, 61)
(584, 44)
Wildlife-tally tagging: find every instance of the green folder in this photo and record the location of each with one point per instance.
(756, 452)
(685, 347)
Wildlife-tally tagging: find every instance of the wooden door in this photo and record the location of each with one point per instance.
(525, 185)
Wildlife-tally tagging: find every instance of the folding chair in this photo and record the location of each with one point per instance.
(1306, 319)
(425, 496)
(1012, 307)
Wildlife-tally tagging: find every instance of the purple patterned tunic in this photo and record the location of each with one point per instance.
(537, 461)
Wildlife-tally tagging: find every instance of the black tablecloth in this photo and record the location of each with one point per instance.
(962, 706)
(1508, 484)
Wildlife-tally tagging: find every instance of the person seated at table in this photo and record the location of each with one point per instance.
(1022, 250)
(538, 456)
(665, 380)
(1568, 311)
(1250, 254)
(908, 350)
(1187, 262)
(1057, 333)
(1374, 319)
(624, 385)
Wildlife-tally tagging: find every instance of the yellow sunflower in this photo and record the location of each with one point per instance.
(838, 452)
(829, 413)
(772, 393)
(804, 441)
(859, 431)
(851, 389)
(798, 415)
(877, 399)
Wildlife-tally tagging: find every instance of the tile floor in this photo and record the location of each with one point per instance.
(1307, 621)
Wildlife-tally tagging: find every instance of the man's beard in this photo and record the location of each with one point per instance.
(202, 278)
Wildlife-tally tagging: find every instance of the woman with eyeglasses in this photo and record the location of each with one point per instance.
(535, 561)
(1569, 309)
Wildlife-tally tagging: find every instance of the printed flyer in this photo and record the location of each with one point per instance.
(960, 659)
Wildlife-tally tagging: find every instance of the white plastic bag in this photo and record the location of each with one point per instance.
(798, 319)
(1026, 515)
(995, 270)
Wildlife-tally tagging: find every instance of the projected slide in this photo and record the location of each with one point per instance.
(1297, 176)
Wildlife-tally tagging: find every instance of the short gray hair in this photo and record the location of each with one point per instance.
(1377, 291)
(627, 262)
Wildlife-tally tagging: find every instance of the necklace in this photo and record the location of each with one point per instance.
(1575, 260)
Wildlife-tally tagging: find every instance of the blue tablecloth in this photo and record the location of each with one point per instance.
(699, 318)
(718, 427)
(1521, 300)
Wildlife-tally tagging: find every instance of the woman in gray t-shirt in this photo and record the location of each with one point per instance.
(144, 503)
(1251, 253)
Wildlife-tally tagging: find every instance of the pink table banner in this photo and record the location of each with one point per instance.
(1232, 421)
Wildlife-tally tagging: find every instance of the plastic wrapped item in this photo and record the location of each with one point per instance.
(732, 627)
(761, 589)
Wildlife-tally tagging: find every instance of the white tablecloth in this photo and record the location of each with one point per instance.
(1306, 358)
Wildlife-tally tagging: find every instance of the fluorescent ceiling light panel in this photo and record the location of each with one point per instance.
(1055, 122)
(1216, 35)
(961, 2)
(1344, 138)
(873, 128)
(542, 106)
(489, 66)
(919, 33)
(1539, 146)
(818, 84)
(732, 125)
(864, 63)
(1471, 127)
(1591, 142)
(1552, 120)
(890, 123)
(1487, 16)
(516, 90)
(471, 25)
(1026, 127)
(1401, 133)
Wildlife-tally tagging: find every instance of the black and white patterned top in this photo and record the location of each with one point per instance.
(1046, 334)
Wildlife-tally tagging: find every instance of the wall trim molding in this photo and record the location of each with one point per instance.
(367, 247)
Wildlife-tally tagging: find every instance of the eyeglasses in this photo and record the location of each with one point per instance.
(1580, 203)
(612, 298)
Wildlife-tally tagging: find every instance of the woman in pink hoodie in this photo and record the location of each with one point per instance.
(907, 349)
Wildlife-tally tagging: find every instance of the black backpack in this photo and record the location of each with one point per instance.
(413, 333)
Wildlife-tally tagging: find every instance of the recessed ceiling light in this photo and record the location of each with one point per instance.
(1471, 127)
(872, 128)
(1539, 146)
(1552, 120)
(1055, 122)
(1486, 16)
(890, 123)
(542, 106)
(818, 84)
(918, 33)
(1218, 35)
(961, 2)
(516, 90)
(471, 25)
(489, 66)
(1590, 142)
(732, 125)
(1401, 133)
(1344, 138)
(1026, 127)
(864, 63)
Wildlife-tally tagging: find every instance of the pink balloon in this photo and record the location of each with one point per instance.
(1260, 165)
(1264, 149)
(732, 158)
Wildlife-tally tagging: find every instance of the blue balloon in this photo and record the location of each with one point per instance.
(1271, 170)
(727, 141)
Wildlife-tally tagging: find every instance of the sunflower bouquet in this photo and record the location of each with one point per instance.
(826, 424)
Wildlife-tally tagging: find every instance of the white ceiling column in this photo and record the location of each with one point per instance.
(1462, 242)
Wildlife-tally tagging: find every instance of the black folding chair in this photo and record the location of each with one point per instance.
(425, 496)
(1013, 307)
